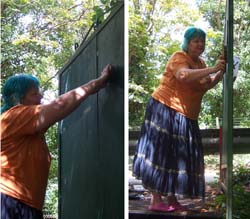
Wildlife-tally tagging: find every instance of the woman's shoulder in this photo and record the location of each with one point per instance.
(182, 56)
(21, 107)
(20, 111)
(179, 55)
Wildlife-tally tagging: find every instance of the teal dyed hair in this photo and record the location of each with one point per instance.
(15, 89)
(190, 34)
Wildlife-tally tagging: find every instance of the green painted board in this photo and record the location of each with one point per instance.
(92, 137)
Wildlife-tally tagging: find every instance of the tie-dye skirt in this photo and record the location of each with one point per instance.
(12, 208)
(169, 155)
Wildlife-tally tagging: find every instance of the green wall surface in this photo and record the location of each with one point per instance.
(92, 137)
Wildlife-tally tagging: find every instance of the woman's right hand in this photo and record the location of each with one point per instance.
(101, 82)
(106, 74)
(220, 65)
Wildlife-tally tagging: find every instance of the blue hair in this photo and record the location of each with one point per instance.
(191, 33)
(15, 89)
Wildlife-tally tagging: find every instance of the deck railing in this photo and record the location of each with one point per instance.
(211, 140)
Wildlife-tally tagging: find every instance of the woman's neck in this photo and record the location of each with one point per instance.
(194, 57)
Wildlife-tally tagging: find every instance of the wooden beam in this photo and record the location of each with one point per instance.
(210, 141)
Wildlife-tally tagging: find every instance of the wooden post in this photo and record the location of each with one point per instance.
(227, 125)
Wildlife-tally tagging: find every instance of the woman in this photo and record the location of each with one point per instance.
(169, 156)
(25, 159)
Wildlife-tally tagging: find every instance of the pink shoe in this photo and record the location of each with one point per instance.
(161, 207)
(178, 207)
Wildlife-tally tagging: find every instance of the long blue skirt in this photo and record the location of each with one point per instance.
(169, 155)
(12, 208)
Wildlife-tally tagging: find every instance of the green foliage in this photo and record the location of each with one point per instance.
(51, 198)
(51, 205)
(38, 37)
(241, 202)
(241, 196)
(33, 37)
(101, 11)
(241, 175)
(241, 180)
(139, 40)
(220, 201)
(155, 28)
(214, 13)
(211, 162)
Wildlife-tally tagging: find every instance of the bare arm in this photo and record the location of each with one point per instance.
(68, 102)
(190, 75)
(214, 80)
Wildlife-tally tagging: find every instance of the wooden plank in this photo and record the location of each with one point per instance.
(210, 141)
(138, 210)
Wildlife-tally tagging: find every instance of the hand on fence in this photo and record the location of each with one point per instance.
(106, 73)
(101, 82)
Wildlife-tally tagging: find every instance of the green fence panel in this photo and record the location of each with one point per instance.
(92, 138)
(111, 127)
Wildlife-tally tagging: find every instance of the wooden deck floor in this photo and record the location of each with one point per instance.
(138, 210)
(139, 200)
